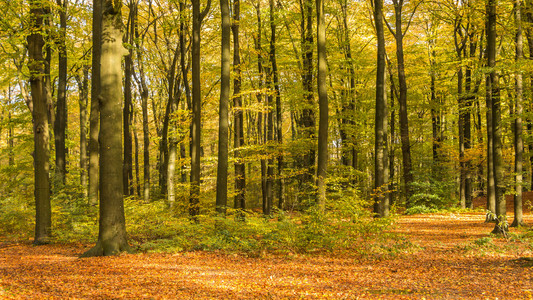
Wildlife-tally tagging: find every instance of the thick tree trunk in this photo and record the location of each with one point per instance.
(223, 120)
(94, 118)
(60, 125)
(112, 237)
(381, 201)
(323, 106)
(238, 136)
(41, 152)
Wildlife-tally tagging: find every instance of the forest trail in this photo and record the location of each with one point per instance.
(447, 256)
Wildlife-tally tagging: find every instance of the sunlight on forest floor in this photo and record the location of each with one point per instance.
(453, 257)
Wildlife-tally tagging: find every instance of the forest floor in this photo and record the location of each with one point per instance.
(452, 257)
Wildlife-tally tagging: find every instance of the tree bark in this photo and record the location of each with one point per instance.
(307, 121)
(60, 124)
(94, 118)
(323, 106)
(223, 121)
(381, 198)
(83, 87)
(496, 118)
(112, 237)
(402, 99)
(518, 139)
(41, 152)
(198, 16)
(238, 136)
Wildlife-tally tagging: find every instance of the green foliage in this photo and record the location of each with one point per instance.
(431, 194)
(16, 218)
(421, 209)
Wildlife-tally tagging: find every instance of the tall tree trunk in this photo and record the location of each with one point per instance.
(349, 142)
(496, 118)
(83, 87)
(41, 152)
(323, 106)
(141, 82)
(223, 120)
(127, 169)
(112, 237)
(307, 122)
(60, 125)
(470, 92)
(198, 16)
(173, 149)
(381, 201)
(518, 140)
(402, 99)
(260, 96)
(184, 73)
(94, 118)
(238, 136)
(277, 93)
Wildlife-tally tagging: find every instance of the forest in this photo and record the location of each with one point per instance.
(253, 125)
(373, 148)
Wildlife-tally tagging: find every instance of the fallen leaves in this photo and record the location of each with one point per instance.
(441, 268)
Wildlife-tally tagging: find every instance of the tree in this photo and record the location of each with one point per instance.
(41, 152)
(197, 17)
(399, 34)
(323, 106)
(238, 119)
(60, 124)
(518, 140)
(112, 237)
(94, 126)
(493, 89)
(381, 198)
(223, 121)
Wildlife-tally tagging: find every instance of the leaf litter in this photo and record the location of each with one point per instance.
(454, 258)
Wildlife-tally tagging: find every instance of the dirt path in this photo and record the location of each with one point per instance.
(454, 258)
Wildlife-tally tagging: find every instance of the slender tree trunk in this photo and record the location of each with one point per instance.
(260, 96)
(60, 125)
(496, 118)
(307, 122)
(323, 106)
(83, 87)
(184, 72)
(198, 16)
(223, 120)
(141, 82)
(402, 99)
(94, 118)
(238, 136)
(41, 152)
(172, 151)
(136, 156)
(381, 201)
(277, 93)
(127, 117)
(112, 237)
(518, 140)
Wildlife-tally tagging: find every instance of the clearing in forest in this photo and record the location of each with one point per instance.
(451, 256)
